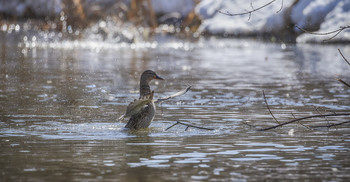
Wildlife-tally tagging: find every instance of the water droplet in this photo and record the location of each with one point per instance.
(4, 27)
(291, 132)
(283, 46)
(17, 28)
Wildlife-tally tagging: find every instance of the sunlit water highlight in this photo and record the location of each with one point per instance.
(59, 102)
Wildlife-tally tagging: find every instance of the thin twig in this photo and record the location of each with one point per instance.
(267, 105)
(188, 126)
(245, 13)
(172, 126)
(301, 123)
(343, 82)
(337, 32)
(344, 57)
(331, 125)
(340, 80)
(182, 92)
(321, 113)
(299, 119)
(280, 8)
(328, 122)
(250, 125)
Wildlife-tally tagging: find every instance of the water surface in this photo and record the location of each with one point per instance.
(59, 104)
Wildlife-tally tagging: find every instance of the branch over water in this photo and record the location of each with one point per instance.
(268, 107)
(340, 80)
(308, 117)
(188, 126)
(335, 32)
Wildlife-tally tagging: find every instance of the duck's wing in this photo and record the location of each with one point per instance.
(174, 95)
(136, 106)
(136, 120)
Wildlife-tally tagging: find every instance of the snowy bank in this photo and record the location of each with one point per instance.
(311, 15)
(218, 24)
(337, 15)
(276, 19)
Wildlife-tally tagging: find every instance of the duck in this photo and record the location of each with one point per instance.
(142, 111)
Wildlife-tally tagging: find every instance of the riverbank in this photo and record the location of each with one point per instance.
(296, 21)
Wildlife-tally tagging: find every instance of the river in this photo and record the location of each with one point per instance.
(60, 101)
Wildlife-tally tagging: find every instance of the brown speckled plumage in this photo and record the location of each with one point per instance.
(144, 118)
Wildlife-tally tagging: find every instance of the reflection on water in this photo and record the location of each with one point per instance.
(59, 106)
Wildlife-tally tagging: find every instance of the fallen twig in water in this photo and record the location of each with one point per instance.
(299, 119)
(188, 126)
(174, 95)
(178, 122)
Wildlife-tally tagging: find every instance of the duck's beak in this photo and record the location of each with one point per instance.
(158, 77)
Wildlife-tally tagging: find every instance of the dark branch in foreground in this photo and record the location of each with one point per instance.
(251, 11)
(299, 119)
(188, 126)
(330, 125)
(335, 32)
(343, 82)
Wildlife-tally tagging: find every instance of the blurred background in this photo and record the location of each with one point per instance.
(132, 20)
(69, 68)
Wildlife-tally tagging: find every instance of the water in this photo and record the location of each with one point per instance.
(59, 102)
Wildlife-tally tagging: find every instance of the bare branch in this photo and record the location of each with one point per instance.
(247, 12)
(280, 8)
(321, 113)
(337, 32)
(174, 95)
(188, 126)
(344, 57)
(172, 126)
(299, 119)
(343, 82)
(267, 105)
(250, 125)
(301, 123)
(331, 125)
(340, 80)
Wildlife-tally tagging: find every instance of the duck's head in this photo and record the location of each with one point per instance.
(148, 76)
